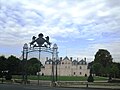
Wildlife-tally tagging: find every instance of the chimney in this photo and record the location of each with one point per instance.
(46, 58)
(71, 58)
(77, 59)
(85, 59)
(60, 58)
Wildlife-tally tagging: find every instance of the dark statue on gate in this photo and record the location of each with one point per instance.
(40, 41)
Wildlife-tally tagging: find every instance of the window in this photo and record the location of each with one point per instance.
(80, 73)
(74, 73)
(80, 63)
(80, 67)
(47, 62)
(84, 63)
(50, 62)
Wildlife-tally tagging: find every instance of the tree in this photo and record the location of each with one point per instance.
(33, 66)
(3, 63)
(97, 68)
(114, 70)
(118, 71)
(103, 57)
(13, 64)
(8, 76)
(106, 71)
(102, 63)
(90, 78)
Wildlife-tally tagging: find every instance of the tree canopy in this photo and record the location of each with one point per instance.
(15, 66)
(3, 63)
(33, 66)
(102, 63)
(103, 57)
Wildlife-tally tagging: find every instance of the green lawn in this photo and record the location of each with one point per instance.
(61, 78)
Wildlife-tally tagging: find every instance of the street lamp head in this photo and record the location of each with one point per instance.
(25, 46)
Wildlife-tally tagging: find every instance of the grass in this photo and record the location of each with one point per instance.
(72, 78)
(40, 78)
(61, 78)
(100, 78)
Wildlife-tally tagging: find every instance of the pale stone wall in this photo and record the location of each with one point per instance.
(66, 68)
(47, 70)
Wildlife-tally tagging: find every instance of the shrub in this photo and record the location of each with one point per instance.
(8, 77)
(90, 78)
(1, 74)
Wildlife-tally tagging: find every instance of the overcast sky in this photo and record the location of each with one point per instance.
(78, 27)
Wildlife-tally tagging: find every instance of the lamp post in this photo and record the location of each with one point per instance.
(39, 66)
(53, 79)
(25, 55)
(55, 55)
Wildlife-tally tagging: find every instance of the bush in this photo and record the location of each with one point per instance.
(8, 77)
(90, 78)
(1, 74)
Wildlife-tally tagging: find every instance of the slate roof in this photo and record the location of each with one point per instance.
(82, 62)
(66, 58)
(74, 62)
(48, 61)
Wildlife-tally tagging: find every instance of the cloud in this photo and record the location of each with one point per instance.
(90, 51)
(62, 16)
(112, 47)
(94, 21)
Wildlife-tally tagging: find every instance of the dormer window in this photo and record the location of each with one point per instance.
(83, 63)
(80, 62)
(47, 62)
(51, 62)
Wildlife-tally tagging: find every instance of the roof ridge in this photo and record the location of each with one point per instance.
(66, 58)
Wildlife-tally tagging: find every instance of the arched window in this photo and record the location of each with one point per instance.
(80, 73)
(51, 62)
(47, 62)
(74, 73)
